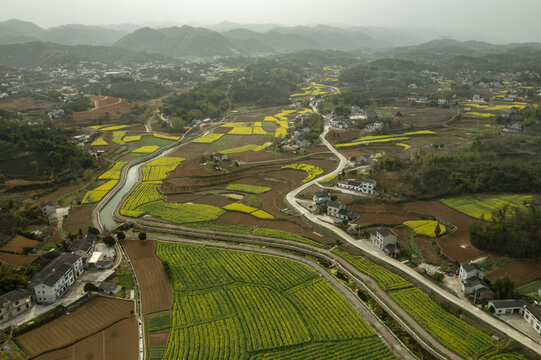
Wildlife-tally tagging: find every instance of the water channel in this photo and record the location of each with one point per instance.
(132, 178)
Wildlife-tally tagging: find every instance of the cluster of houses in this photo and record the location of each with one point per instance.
(54, 280)
(322, 202)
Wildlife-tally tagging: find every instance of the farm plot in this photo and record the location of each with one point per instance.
(99, 142)
(67, 329)
(146, 149)
(231, 304)
(260, 214)
(158, 169)
(239, 149)
(481, 207)
(377, 139)
(144, 193)
(118, 341)
(252, 189)
(208, 139)
(98, 193)
(426, 227)
(117, 137)
(452, 332)
(114, 172)
(18, 243)
(311, 170)
(156, 290)
(181, 213)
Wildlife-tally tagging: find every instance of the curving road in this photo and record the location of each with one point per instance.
(465, 305)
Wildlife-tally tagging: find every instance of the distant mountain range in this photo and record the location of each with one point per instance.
(16, 31)
(232, 39)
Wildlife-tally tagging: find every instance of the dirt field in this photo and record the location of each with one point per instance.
(26, 104)
(116, 107)
(450, 244)
(62, 191)
(18, 244)
(116, 342)
(14, 259)
(78, 219)
(521, 272)
(156, 338)
(156, 288)
(88, 320)
(368, 218)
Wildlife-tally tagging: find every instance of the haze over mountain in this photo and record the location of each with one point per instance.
(234, 39)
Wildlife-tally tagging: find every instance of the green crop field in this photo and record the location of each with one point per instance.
(447, 329)
(252, 189)
(181, 213)
(385, 279)
(530, 289)
(159, 323)
(452, 332)
(239, 305)
(481, 207)
(144, 193)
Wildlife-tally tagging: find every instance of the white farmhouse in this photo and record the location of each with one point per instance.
(367, 186)
(14, 303)
(56, 278)
(386, 240)
(532, 314)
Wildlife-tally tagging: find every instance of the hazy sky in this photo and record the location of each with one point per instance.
(516, 20)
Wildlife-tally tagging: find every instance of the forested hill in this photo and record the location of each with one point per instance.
(49, 54)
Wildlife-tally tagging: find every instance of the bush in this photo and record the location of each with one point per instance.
(109, 240)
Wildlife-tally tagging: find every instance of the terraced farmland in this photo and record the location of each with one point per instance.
(114, 172)
(98, 193)
(237, 305)
(452, 332)
(157, 170)
(252, 189)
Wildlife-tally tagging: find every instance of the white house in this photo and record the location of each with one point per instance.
(532, 314)
(367, 186)
(85, 247)
(56, 278)
(333, 207)
(443, 101)
(500, 307)
(375, 126)
(469, 270)
(383, 237)
(14, 303)
(48, 209)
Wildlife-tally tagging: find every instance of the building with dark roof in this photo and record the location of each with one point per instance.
(85, 247)
(500, 307)
(532, 314)
(468, 270)
(14, 303)
(56, 278)
(384, 238)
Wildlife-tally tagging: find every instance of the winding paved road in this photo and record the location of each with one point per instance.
(465, 305)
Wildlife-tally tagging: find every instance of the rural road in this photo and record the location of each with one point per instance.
(476, 312)
(386, 335)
